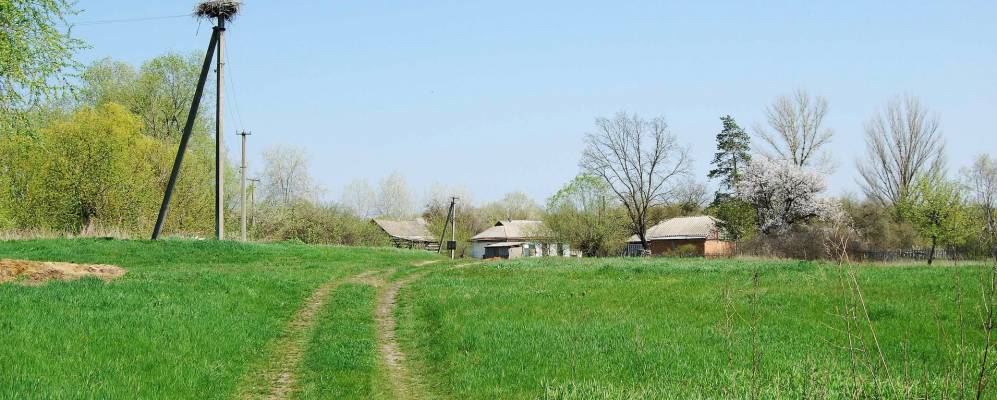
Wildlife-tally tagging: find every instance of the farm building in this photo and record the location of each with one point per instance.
(412, 234)
(694, 236)
(515, 239)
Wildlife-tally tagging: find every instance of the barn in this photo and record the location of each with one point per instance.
(688, 236)
(412, 234)
(515, 239)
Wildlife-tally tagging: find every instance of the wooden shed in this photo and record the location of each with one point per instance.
(695, 236)
(412, 234)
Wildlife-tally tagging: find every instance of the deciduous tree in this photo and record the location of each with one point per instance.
(937, 210)
(904, 144)
(586, 214)
(638, 159)
(784, 194)
(36, 55)
(796, 131)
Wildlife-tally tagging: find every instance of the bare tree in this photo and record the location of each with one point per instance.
(981, 180)
(903, 144)
(360, 198)
(690, 196)
(394, 199)
(285, 176)
(637, 158)
(797, 133)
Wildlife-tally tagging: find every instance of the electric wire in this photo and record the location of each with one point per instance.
(127, 20)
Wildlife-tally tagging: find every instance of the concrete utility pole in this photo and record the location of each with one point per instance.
(222, 10)
(252, 201)
(242, 183)
(219, 127)
(453, 225)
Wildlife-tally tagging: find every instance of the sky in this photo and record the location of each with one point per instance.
(497, 96)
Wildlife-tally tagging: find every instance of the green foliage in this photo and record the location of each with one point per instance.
(937, 210)
(737, 219)
(92, 168)
(585, 214)
(160, 92)
(36, 53)
(733, 155)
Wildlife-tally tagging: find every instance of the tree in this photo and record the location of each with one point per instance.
(585, 213)
(797, 132)
(89, 169)
(733, 155)
(690, 196)
(360, 198)
(981, 181)
(512, 206)
(285, 178)
(394, 198)
(937, 210)
(904, 145)
(637, 159)
(783, 194)
(737, 218)
(160, 92)
(36, 54)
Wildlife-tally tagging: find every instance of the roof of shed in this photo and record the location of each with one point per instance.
(511, 231)
(416, 230)
(699, 227)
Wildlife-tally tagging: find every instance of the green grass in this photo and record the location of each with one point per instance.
(187, 321)
(580, 329)
(341, 358)
(192, 319)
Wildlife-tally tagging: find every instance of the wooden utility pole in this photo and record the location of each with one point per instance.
(242, 183)
(219, 127)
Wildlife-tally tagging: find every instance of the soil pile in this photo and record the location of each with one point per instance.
(38, 272)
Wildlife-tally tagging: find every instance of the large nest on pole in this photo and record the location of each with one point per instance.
(224, 9)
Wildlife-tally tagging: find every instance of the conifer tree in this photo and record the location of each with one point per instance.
(733, 146)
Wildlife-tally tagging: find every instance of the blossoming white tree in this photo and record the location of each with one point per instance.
(784, 194)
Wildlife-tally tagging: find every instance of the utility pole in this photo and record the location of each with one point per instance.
(252, 201)
(214, 9)
(242, 183)
(219, 125)
(453, 226)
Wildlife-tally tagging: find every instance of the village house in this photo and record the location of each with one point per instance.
(685, 236)
(515, 239)
(412, 234)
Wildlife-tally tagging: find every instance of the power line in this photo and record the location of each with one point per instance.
(231, 89)
(126, 20)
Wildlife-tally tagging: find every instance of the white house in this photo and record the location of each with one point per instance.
(515, 239)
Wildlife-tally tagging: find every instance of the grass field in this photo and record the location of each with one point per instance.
(203, 319)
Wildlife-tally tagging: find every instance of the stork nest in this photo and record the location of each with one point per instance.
(224, 9)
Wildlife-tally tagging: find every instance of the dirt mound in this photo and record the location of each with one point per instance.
(37, 272)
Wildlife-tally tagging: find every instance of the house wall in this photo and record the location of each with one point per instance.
(719, 248)
(666, 247)
(478, 249)
(704, 248)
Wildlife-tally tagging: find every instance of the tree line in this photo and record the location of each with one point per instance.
(87, 150)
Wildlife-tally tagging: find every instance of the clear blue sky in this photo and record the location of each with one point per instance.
(496, 96)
